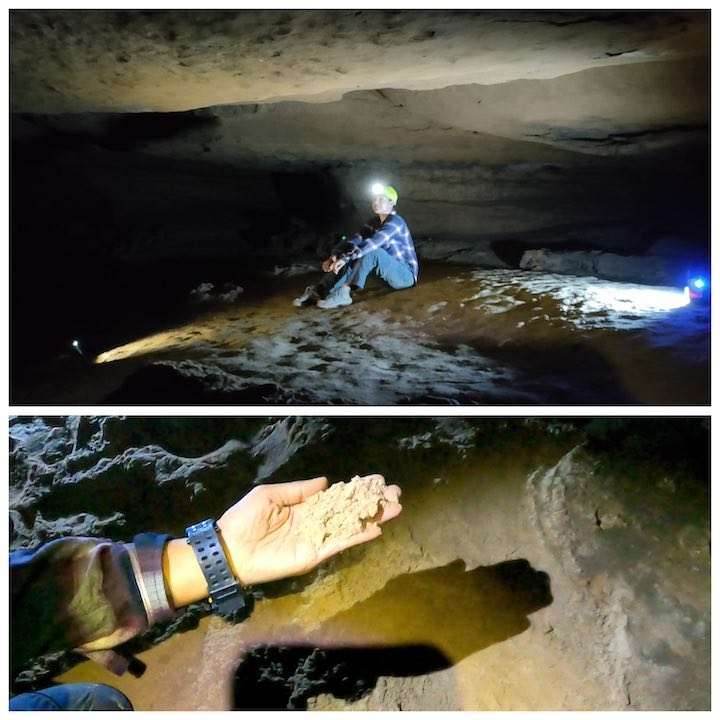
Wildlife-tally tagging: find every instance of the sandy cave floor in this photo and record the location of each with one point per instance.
(538, 586)
(462, 336)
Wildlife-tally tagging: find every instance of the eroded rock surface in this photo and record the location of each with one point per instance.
(537, 565)
(130, 61)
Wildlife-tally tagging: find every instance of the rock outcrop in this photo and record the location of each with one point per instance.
(651, 270)
(172, 61)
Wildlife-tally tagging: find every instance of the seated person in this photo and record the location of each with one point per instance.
(383, 246)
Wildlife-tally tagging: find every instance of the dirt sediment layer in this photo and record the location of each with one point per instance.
(343, 510)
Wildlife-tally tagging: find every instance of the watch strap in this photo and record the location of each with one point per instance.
(225, 594)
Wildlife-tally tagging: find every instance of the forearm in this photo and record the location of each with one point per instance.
(184, 579)
(367, 246)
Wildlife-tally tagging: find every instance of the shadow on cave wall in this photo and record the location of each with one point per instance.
(675, 446)
(113, 131)
(418, 623)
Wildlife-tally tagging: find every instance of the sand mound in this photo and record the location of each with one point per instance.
(344, 509)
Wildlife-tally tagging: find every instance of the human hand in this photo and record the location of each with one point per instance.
(262, 536)
(327, 264)
(338, 265)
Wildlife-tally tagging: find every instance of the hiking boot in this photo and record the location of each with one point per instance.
(309, 294)
(336, 298)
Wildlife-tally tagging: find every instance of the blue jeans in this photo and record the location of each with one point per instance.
(394, 272)
(73, 696)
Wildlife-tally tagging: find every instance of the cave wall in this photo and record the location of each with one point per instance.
(145, 135)
(612, 514)
(221, 194)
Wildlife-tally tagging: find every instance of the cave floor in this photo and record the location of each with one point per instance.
(519, 578)
(462, 336)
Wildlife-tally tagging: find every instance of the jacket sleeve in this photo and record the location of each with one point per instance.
(86, 594)
(379, 238)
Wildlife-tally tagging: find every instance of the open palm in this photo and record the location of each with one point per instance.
(261, 531)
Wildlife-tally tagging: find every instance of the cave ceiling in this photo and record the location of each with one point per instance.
(594, 82)
(590, 124)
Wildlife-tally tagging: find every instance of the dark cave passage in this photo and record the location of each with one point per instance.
(314, 197)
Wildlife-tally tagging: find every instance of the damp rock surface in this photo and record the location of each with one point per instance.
(343, 510)
(460, 337)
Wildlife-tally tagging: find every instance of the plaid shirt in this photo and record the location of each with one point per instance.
(393, 236)
(86, 594)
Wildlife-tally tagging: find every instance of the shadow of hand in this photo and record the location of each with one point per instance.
(416, 624)
(450, 608)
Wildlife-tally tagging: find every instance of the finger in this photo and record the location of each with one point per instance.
(292, 493)
(390, 511)
(391, 493)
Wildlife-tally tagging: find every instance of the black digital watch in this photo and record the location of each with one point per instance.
(225, 593)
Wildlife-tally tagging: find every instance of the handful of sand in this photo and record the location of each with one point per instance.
(343, 510)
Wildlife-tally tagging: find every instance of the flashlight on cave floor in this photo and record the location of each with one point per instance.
(76, 347)
(697, 288)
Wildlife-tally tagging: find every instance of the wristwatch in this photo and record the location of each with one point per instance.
(225, 593)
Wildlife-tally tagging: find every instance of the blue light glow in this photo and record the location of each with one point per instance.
(699, 283)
